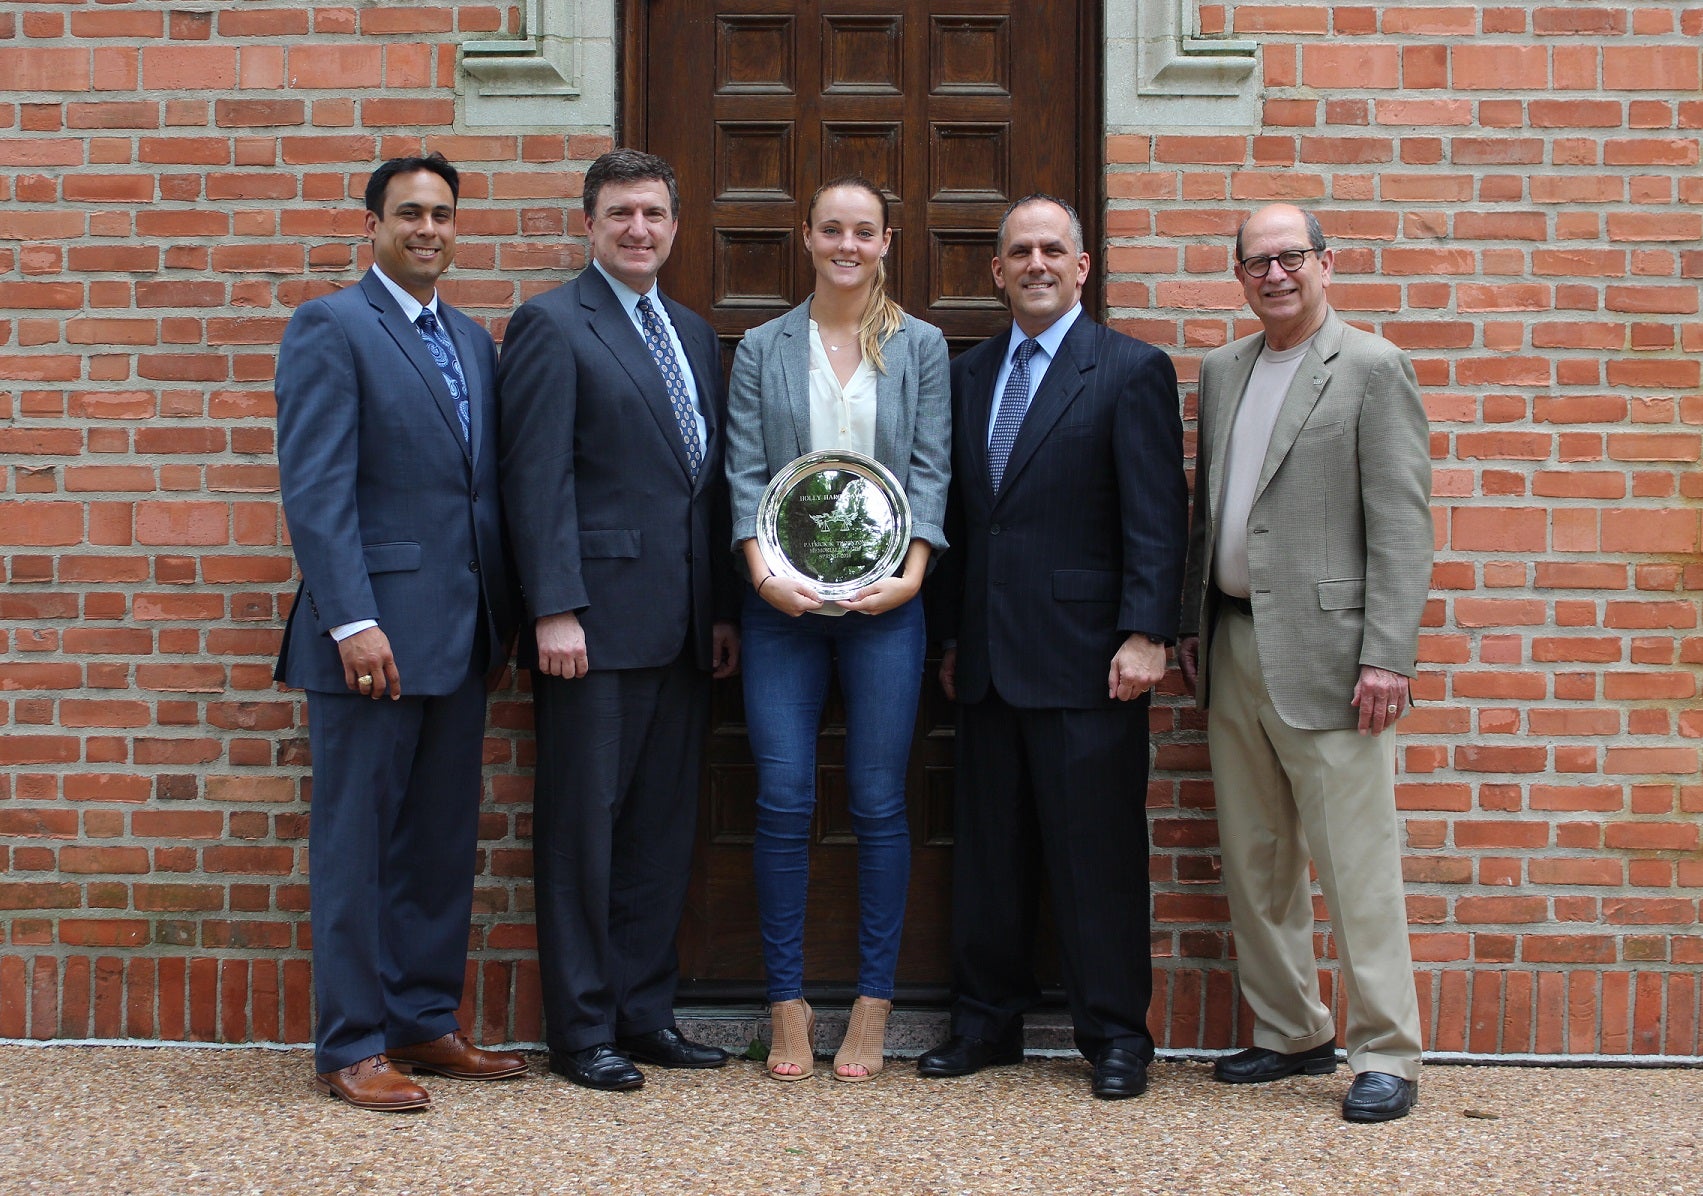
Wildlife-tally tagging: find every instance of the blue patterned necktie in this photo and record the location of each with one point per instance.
(1013, 406)
(437, 341)
(685, 414)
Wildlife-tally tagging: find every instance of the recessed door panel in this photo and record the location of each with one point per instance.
(970, 56)
(863, 55)
(754, 55)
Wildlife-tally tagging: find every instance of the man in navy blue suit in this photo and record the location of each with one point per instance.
(1068, 523)
(387, 449)
(614, 420)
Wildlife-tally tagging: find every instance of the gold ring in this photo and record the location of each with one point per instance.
(366, 679)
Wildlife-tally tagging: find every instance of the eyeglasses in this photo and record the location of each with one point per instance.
(1259, 265)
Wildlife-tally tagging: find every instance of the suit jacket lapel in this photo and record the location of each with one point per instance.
(1302, 397)
(407, 338)
(795, 368)
(612, 326)
(1233, 388)
(1063, 381)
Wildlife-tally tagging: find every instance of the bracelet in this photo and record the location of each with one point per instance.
(763, 583)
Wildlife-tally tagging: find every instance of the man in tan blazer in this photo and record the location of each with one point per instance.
(1308, 568)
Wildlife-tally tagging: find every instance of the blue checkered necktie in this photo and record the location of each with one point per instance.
(1013, 406)
(437, 341)
(679, 398)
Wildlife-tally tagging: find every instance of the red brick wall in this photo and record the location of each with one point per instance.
(1514, 194)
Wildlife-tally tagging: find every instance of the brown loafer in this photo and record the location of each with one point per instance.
(373, 1084)
(454, 1056)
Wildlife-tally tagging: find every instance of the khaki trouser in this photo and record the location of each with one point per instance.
(1280, 791)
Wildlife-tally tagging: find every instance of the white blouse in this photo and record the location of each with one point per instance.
(841, 417)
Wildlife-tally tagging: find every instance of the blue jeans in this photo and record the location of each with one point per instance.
(786, 663)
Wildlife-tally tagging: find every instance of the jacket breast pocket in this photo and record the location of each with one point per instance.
(607, 544)
(1346, 593)
(1072, 431)
(1085, 585)
(397, 556)
(1313, 433)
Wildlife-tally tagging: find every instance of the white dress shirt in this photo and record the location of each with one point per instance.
(841, 417)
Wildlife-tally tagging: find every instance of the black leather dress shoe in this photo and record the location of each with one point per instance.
(670, 1048)
(963, 1055)
(601, 1067)
(1256, 1065)
(1379, 1096)
(1119, 1073)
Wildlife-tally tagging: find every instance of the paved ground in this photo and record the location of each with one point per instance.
(134, 1120)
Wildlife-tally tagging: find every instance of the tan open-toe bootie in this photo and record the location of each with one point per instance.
(866, 1040)
(792, 1037)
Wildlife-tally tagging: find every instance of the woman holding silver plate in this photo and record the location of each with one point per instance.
(849, 382)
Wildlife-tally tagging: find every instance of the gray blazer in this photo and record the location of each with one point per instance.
(768, 417)
(1340, 537)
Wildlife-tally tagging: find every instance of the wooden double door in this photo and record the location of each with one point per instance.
(955, 109)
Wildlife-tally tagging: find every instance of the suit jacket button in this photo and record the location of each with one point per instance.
(993, 529)
(473, 566)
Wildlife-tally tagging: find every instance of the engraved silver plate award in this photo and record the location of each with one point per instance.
(834, 520)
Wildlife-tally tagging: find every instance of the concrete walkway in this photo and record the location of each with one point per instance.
(191, 1121)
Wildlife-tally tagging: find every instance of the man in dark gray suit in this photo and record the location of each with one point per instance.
(1309, 568)
(613, 425)
(1068, 522)
(387, 463)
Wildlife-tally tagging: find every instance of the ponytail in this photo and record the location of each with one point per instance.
(881, 319)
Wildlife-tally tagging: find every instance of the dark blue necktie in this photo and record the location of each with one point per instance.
(679, 399)
(437, 340)
(1013, 406)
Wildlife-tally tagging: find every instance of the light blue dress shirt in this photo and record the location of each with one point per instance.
(630, 304)
(1047, 346)
(411, 307)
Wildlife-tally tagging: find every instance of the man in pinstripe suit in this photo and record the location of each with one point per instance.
(1067, 520)
(1309, 566)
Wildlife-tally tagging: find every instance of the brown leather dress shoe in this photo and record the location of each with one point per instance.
(454, 1056)
(373, 1084)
